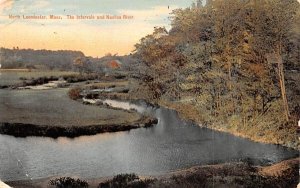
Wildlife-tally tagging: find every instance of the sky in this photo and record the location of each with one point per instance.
(93, 37)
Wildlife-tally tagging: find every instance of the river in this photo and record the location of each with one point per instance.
(170, 145)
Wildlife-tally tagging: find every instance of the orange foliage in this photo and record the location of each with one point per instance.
(113, 64)
(257, 69)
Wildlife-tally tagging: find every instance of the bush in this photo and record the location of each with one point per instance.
(74, 93)
(23, 78)
(80, 78)
(67, 182)
(126, 181)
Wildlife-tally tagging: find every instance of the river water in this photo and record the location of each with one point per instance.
(170, 145)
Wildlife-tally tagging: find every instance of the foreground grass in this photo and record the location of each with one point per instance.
(126, 180)
(235, 175)
(241, 175)
(67, 182)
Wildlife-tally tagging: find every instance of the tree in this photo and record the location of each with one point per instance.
(229, 56)
(274, 19)
(82, 64)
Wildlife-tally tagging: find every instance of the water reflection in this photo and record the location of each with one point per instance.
(87, 139)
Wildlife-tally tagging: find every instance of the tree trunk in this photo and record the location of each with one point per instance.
(243, 112)
(282, 86)
(229, 76)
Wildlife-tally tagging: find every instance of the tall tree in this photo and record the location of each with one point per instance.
(274, 19)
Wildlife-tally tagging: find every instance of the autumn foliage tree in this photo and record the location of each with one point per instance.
(229, 59)
(82, 64)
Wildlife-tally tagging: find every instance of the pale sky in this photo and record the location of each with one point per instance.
(93, 37)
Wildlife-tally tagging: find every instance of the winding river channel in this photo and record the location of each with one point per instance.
(170, 145)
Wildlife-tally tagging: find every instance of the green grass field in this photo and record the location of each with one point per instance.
(10, 76)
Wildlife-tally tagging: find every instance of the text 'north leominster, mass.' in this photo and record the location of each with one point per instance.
(73, 17)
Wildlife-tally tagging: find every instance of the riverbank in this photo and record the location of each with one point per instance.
(52, 113)
(278, 133)
(15, 70)
(265, 130)
(25, 130)
(283, 136)
(283, 175)
(11, 79)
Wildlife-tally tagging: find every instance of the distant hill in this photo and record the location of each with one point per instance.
(46, 59)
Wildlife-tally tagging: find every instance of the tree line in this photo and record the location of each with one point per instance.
(232, 57)
(29, 58)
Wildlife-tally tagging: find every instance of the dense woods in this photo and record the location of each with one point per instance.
(235, 62)
(45, 59)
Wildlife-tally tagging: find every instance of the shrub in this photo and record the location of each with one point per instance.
(80, 78)
(23, 78)
(67, 182)
(126, 181)
(74, 93)
(141, 183)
